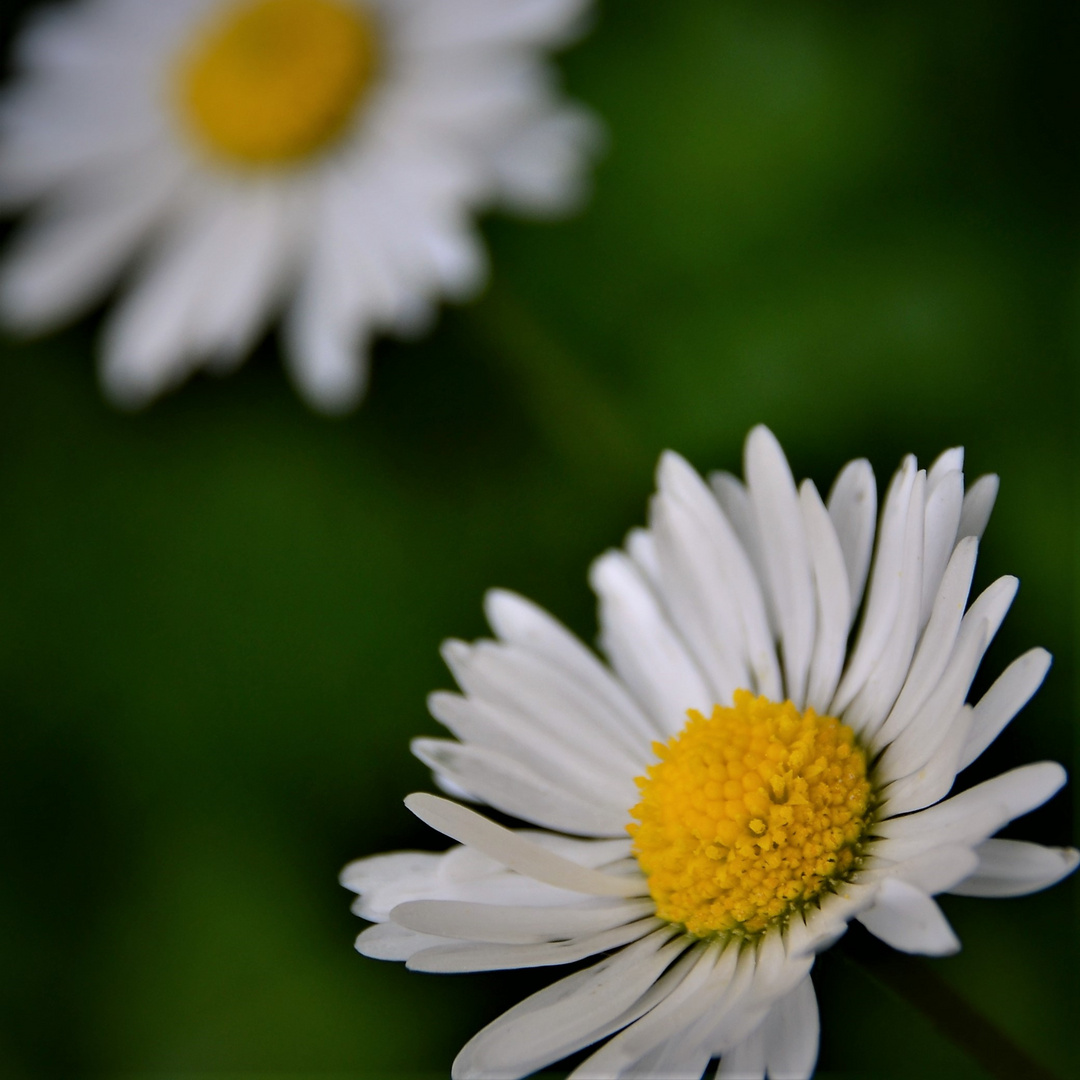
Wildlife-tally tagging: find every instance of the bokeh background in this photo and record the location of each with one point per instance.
(219, 618)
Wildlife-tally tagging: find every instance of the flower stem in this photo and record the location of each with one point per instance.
(572, 413)
(915, 981)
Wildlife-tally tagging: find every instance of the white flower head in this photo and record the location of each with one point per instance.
(785, 783)
(322, 155)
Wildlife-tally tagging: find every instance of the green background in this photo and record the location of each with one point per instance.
(219, 618)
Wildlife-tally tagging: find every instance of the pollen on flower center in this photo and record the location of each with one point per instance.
(269, 82)
(750, 814)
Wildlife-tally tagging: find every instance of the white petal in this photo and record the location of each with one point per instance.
(695, 995)
(531, 698)
(936, 646)
(909, 920)
(643, 646)
(517, 925)
(746, 1060)
(763, 976)
(382, 882)
(516, 852)
(948, 461)
(727, 1003)
(692, 583)
(729, 571)
(915, 745)
(592, 853)
(385, 246)
(374, 870)
(388, 941)
(777, 970)
(669, 983)
(503, 782)
(978, 504)
(454, 790)
(149, 339)
(824, 925)
(461, 956)
(852, 506)
(1010, 693)
(734, 501)
(455, 105)
(518, 621)
(833, 598)
(569, 1014)
(993, 603)
(934, 871)
(871, 704)
(790, 1034)
(675, 1059)
(641, 547)
(920, 740)
(975, 814)
(328, 360)
(699, 610)
(760, 982)
(67, 258)
(738, 1012)
(463, 873)
(886, 585)
(934, 780)
(540, 166)
(486, 23)
(262, 235)
(507, 732)
(1016, 868)
(569, 760)
(786, 554)
(52, 140)
(944, 499)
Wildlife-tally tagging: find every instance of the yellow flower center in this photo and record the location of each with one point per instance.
(268, 82)
(750, 814)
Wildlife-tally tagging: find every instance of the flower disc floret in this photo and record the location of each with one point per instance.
(750, 813)
(273, 81)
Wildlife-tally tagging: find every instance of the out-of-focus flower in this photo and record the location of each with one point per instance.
(806, 789)
(327, 154)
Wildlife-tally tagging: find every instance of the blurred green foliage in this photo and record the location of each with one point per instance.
(219, 618)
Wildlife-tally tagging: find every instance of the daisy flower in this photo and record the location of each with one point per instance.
(775, 783)
(244, 155)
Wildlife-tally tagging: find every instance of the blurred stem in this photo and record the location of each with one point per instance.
(570, 410)
(914, 980)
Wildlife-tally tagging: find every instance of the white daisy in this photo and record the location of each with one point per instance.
(248, 153)
(805, 790)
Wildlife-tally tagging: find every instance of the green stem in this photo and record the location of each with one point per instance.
(912, 979)
(569, 409)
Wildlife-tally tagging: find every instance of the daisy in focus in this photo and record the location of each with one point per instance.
(713, 806)
(243, 156)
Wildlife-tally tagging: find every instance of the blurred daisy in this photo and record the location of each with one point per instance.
(327, 154)
(775, 784)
